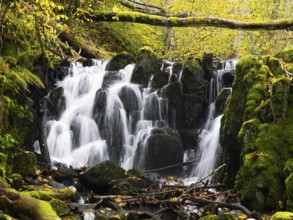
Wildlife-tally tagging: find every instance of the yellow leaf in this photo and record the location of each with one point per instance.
(242, 216)
(102, 211)
(118, 199)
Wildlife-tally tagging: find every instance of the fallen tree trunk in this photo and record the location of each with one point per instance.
(26, 205)
(192, 21)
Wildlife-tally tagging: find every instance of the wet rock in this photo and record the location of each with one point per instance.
(162, 148)
(207, 65)
(129, 100)
(65, 175)
(110, 78)
(228, 78)
(146, 64)
(56, 102)
(159, 80)
(221, 100)
(99, 177)
(119, 61)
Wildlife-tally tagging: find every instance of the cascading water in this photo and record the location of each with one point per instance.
(209, 146)
(106, 117)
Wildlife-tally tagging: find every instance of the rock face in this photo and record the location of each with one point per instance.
(221, 100)
(56, 102)
(255, 134)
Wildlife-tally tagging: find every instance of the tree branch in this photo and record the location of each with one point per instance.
(192, 21)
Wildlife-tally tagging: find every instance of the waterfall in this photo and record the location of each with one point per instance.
(105, 117)
(209, 147)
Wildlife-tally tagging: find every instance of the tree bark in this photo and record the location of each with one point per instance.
(28, 206)
(43, 134)
(192, 21)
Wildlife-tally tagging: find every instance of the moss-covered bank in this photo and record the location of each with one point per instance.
(257, 135)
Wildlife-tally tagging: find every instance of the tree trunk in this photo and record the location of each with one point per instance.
(43, 133)
(192, 21)
(30, 207)
(170, 36)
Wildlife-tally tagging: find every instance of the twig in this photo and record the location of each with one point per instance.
(172, 166)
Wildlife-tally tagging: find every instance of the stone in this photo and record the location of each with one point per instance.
(207, 65)
(146, 65)
(119, 61)
(56, 102)
(221, 100)
(99, 177)
(24, 163)
(162, 148)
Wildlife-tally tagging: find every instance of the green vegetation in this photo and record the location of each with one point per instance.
(264, 126)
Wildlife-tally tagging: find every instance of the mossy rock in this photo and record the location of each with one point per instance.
(99, 177)
(47, 194)
(24, 163)
(225, 216)
(289, 192)
(279, 97)
(146, 65)
(60, 207)
(286, 55)
(3, 159)
(282, 216)
(120, 61)
(207, 65)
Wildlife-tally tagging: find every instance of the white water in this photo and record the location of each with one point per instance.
(209, 147)
(75, 138)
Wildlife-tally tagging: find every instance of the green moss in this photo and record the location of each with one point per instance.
(282, 216)
(46, 208)
(3, 159)
(24, 163)
(274, 65)
(48, 193)
(279, 96)
(59, 207)
(286, 55)
(289, 192)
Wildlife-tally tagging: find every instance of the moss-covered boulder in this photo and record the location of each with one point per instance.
(99, 177)
(282, 216)
(146, 65)
(257, 126)
(279, 97)
(286, 55)
(60, 207)
(119, 61)
(24, 163)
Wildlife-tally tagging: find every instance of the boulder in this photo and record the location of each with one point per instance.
(65, 175)
(162, 148)
(207, 65)
(119, 61)
(24, 163)
(99, 177)
(146, 65)
(110, 78)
